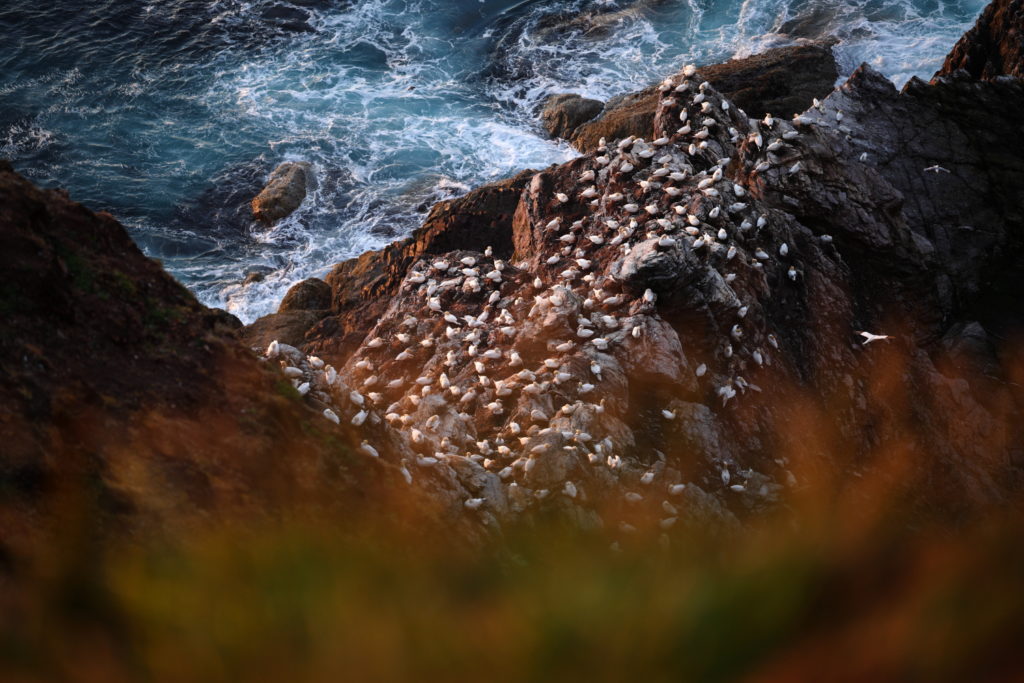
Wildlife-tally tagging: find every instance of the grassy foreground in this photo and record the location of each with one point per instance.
(836, 598)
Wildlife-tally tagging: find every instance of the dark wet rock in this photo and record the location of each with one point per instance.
(256, 273)
(563, 114)
(312, 294)
(594, 22)
(283, 193)
(954, 177)
(993, 47)
(288, 18)
(224, 206)
(782, 81)
(366, 55)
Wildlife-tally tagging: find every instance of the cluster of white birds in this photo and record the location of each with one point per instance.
(484, 370)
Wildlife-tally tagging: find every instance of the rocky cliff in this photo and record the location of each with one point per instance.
(994, 47)
(688, 324)
(712, 307)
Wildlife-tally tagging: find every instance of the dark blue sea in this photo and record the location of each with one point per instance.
(170, 113)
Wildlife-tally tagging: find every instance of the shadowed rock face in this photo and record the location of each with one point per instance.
(952, 155)
(124, 399)
(994, 47)
(782, 81)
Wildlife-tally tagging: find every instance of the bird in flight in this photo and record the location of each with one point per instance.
(868, 337)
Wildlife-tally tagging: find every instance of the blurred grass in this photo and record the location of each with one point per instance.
(311, 603)
(872, 568)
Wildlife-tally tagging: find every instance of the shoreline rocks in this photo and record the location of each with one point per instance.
(362, 287)
(284, 192)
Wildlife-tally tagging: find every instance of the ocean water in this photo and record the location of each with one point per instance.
(171, 113)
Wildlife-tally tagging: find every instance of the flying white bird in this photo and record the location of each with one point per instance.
(868, 337)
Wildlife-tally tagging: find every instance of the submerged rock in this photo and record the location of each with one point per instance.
(284, 191)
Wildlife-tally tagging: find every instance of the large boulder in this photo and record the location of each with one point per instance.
(562, 114)
(288, 327)
(312, 294)
(994, 47)
(306, 303)
(283, 193)
(783, 81)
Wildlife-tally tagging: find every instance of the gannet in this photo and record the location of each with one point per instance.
(868, 337)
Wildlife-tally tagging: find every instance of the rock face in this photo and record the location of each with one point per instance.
(306, 303)
(782, 81)
(563, 114)
(676, 323)
(284, 192)
(960, 186)
(994, 47)
(362, 287)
